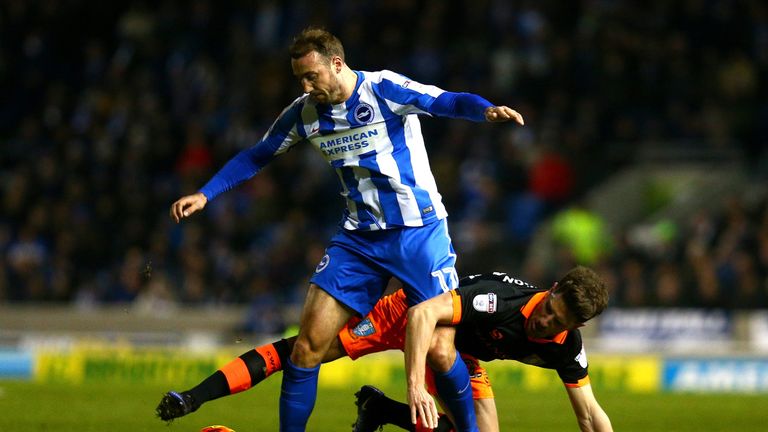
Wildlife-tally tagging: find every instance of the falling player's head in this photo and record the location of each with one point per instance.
(578, 297)
(583, 292)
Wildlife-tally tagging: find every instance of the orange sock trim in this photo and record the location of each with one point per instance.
(238, 377)
(271, 359)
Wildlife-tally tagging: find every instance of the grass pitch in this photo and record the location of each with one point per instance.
(26, 406)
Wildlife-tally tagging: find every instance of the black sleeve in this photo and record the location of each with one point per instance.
(574, 362)
(482, 301)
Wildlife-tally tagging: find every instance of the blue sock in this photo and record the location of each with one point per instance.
(456, 391)
(298, 395)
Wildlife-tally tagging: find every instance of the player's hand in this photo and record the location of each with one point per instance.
(422, 405)
(188, 205)
(503, 114)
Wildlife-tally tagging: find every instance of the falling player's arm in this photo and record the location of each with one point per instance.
(589, 413)
(487, 417)
(422, 320)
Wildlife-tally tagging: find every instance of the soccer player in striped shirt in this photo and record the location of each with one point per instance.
(365, 125)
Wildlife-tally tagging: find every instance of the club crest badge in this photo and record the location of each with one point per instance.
(363, 113)
(365, 328)
(323, 263)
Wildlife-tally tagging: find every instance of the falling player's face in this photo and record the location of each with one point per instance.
(320, 77)
(550, 317)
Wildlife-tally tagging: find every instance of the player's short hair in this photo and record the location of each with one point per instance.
(316, 39)
(583, 292)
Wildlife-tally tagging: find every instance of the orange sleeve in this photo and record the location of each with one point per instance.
(456, 307)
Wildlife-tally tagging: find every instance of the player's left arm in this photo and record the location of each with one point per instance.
(422, 320)
(589, 413)
(503, 113)
(470, 106)
(416, 98)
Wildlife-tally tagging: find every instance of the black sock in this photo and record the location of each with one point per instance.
(443, 424)
(399, 414)
(213, 387)
(217, 385)
(396, 413)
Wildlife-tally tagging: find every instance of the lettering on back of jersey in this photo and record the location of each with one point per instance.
(485, 303)
(518, 282)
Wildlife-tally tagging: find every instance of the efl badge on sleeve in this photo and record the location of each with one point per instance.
(485, 303)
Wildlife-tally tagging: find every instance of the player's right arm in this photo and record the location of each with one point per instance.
(589, 413)
(283, 134)
(187, 205)
(422, 320)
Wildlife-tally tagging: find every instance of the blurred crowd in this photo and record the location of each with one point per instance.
(112, 110)
(713, 258)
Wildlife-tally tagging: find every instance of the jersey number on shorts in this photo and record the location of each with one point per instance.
(447, 277)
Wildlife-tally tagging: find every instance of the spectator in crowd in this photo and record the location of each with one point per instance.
(95, 113)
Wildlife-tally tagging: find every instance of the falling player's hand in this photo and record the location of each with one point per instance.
(503, 114)
(422, 405)
(188, 205)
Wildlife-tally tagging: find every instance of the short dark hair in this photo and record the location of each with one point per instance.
(316, 39)
(584, 293)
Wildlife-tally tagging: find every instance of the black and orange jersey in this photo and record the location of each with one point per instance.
(491, 311)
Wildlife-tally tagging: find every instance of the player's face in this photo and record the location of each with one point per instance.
(549, 318)
(318, 76)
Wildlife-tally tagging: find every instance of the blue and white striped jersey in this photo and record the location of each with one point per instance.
(373, 140)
